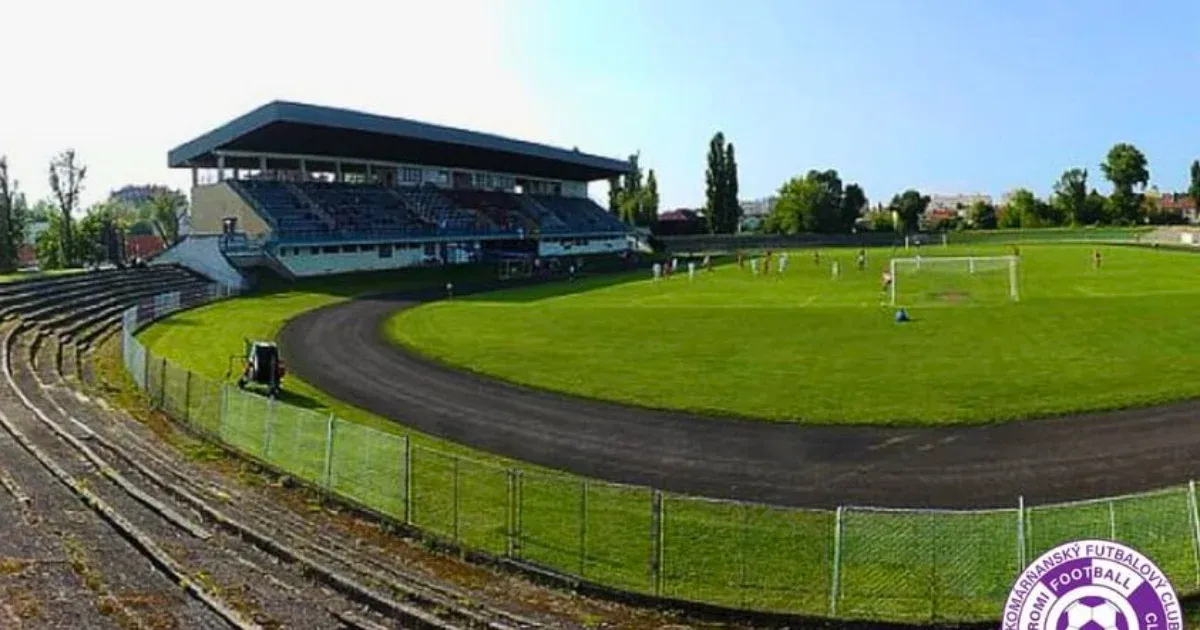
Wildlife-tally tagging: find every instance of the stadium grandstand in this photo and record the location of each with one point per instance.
(307, 190)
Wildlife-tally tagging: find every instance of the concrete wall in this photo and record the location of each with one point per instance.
(302, 262)
(202, 254)
(572, 247)
(212, 203)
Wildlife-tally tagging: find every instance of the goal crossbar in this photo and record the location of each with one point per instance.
(972, 263)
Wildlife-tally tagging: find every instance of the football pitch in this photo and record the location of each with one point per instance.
(900, 566)
(804, 345)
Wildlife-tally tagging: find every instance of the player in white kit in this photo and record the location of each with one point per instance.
(782, 262)
(657, 270)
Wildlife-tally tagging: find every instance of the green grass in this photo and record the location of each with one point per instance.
(30, 275)
(898, 566)
(805, 347)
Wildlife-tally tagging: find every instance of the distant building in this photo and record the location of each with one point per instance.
(142, 245)
(957, 204)
(137, 195)
(758, 208)
(34, 230)
(681, 221)
(1179, 203)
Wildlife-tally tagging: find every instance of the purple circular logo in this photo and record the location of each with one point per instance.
(1092, 585)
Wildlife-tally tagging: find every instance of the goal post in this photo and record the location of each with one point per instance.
(954, 278)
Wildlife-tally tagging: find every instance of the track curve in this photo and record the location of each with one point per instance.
(342, 350)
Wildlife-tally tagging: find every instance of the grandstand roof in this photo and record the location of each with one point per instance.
(282, 127)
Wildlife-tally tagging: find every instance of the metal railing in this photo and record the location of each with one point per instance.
(853, 562)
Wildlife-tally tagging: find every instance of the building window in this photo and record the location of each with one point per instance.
(349, 249)
(332, 249)
(385, 251)
(314, 250)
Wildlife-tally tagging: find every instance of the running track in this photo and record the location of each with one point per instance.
(341, 349)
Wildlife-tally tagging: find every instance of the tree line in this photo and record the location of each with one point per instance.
(97, 237)
(818, 202)
(638, 205)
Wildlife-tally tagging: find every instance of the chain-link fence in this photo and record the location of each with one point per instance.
(853, 562)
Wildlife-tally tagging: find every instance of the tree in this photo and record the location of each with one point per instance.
(1123, 207)
(714, 183)
(721, 187)
(637, 204)
(50, 254)
(1126, 167)
(100, 237)
(614, 196)
(909, 206)
(1070, 197)
(41, 211)
(1025, 210)
(66, 180)
(982, 215)
(854, 202)
(796, 209)
(165, 211)
(817, 203)
(733, 209)
(1194, 185)
(1096, 206)
(880, 220)
(633, 179)
(650, 205)
(12, 219)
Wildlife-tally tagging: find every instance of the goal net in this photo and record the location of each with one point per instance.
(953, 279)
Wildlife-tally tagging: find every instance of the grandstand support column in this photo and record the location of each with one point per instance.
(220, 168)
(303, 168)
(262, 164)
(338, 165)
(195, 177)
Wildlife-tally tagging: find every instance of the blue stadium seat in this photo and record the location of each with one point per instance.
(324, 210)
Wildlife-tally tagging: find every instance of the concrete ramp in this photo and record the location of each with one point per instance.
(202, 254)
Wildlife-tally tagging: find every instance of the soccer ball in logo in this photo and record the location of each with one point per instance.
(1093, 613)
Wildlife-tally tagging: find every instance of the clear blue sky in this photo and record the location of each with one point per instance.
(949, 96)
(945, 95)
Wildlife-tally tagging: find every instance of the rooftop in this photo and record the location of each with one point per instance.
(282, 127)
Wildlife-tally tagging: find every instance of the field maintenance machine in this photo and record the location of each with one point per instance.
(261, 366)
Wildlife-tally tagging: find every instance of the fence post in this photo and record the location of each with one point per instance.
(162, 384)
(656, 540)
(406, 481)
(834, 581)
(146, 375)
(1194, 517)
(329, 453)
(1112, 521)
(224, 410)
(1021, 533)
(510, 516)
(187, 396)
(583, 510)
(269, 429)
(933, 575)
(741, 555)
(455, 499)
(519, 521)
